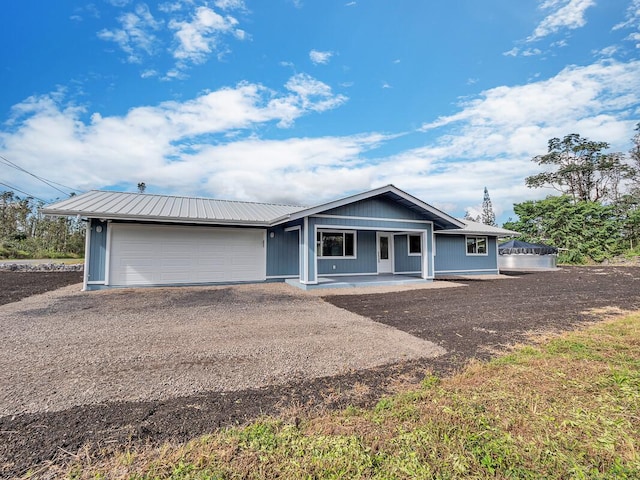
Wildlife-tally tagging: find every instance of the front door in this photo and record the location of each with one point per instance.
(385, 253)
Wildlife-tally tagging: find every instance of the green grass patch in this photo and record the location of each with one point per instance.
(567, 408)
(65, 260)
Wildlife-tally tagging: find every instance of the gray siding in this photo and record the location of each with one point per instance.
(365, 261)
(97, 251)
(380, 225)
(282, 252)
(377, 207)
(451, 256)
(402, 261)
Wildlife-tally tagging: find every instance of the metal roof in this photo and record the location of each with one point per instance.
(478, 228)
(136, 206)
(165, 208)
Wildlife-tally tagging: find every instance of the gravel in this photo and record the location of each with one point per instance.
(42, 267)
(66, 348)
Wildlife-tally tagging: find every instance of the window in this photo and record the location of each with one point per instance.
(415, 244)
(476, 245)
(336, 244)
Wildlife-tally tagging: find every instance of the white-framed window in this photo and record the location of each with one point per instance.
(336, 243)
(477, 246)
(415, 245)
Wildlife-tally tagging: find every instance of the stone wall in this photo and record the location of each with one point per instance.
(41, 267)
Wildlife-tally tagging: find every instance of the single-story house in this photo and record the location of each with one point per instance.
(138, 239)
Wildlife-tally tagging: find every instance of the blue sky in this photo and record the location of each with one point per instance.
(300, 101)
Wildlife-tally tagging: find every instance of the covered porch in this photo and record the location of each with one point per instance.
(350, 281)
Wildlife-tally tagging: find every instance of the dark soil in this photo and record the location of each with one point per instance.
(15, 286)
(470, 322)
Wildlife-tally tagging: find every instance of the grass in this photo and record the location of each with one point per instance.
(66, 261)
(565, 408)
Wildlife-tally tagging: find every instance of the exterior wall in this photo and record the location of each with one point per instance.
(366, 253)
(377, 207)
(451, 256)
(365, 261)
(97, 251)
(402, 261)
(283, 258)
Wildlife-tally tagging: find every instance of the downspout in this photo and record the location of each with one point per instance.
(87, 251)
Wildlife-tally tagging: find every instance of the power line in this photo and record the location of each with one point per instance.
(22, 191)
(44, 180)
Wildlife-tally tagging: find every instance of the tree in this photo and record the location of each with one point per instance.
(468, 216)
(142, 187)
(24, 232)
(581, 169)
(634, 156)
(488, 215)
(582, 229)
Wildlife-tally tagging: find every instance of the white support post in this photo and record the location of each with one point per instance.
(425, 255)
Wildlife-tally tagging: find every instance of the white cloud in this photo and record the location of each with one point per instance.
(574, 93)
(530, 52)
(386, 85)
(635, 37)
(170, 7)
(606, 52)
(230, 4)
(632, 16)
(89, 10)
(196, 33)
(491, 140)
(311, 94)
(200, 37)
(632, 20)
(170, 144)
(569, 14)
(317, 57)
(350, 4)
(148, 73)
(211, 145)
(135, 37)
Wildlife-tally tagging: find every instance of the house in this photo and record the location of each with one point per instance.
(146, 240)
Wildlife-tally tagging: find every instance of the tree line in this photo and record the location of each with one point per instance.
(26, 233)
(596, 214)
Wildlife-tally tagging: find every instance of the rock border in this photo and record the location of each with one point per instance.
(42, 267)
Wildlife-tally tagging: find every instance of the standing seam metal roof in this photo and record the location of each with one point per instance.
(120, 205)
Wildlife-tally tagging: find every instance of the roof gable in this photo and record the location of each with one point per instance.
(388, 193)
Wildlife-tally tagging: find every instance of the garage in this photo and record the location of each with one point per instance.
(167, 255)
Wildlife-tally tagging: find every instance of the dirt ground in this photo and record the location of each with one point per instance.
(15, 286)
(473, 321)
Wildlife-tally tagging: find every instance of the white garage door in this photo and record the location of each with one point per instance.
(162, 255)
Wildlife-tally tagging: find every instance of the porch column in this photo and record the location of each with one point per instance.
(426, 255)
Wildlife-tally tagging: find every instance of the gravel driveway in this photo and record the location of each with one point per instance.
(67, 348)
